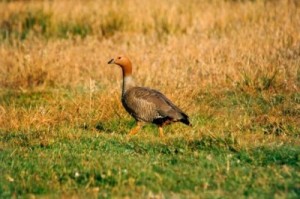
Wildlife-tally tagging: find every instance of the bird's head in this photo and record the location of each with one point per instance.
(120, 60)
(123, 62)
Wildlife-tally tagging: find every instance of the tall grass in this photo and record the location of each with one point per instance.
(205, 39)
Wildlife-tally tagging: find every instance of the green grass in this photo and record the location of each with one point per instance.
(98, 159)
(205, 167)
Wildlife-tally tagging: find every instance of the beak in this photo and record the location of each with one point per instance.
(112, 61)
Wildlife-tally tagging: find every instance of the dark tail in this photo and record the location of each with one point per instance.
(185, 119)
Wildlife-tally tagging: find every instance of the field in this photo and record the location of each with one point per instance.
(233, 66)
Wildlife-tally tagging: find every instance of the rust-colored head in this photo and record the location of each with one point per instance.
(124, 63)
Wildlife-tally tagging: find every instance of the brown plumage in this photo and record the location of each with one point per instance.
(145, 104)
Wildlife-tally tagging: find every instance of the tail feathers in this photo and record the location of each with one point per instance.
(185, 120)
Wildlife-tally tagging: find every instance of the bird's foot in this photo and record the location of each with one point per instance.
(161, 132)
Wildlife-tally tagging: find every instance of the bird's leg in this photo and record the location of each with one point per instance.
(136, 128)
(161, 132)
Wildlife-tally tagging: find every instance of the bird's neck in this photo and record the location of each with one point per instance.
(128, 83)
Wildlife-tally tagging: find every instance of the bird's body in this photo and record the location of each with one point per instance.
(145, 104)
(148, 105)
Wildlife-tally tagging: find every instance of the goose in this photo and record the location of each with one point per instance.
(144, 104)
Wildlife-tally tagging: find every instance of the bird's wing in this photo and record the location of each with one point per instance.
(163, 105)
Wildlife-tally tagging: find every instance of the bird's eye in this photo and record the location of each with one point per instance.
(119, 57)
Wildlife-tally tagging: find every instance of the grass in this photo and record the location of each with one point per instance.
(63, 128)
(86, 156)
(112, 166)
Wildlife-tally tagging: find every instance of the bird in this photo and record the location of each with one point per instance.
(144, 104)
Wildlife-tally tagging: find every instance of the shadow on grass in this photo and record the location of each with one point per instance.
(284, 155)
(115, 126)
(261, 156)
